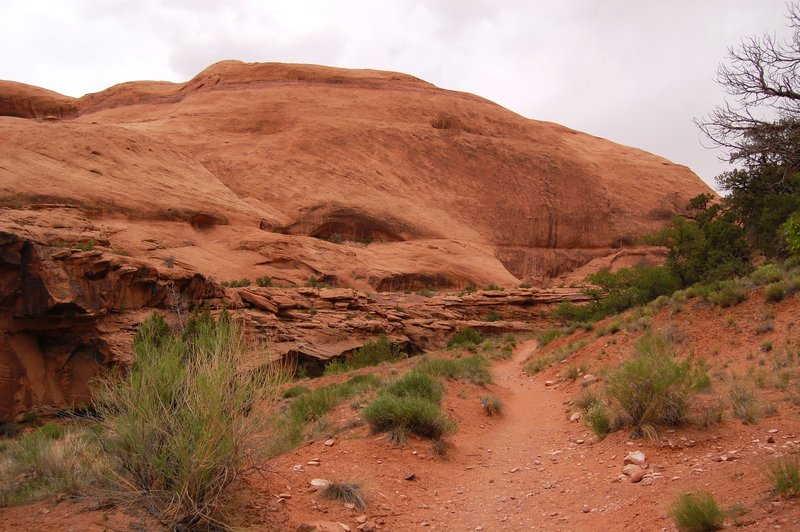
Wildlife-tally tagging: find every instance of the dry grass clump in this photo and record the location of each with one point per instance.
(345, 492)
(784, 474)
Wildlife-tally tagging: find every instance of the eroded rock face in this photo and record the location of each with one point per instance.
(376, 179)
(66, 313)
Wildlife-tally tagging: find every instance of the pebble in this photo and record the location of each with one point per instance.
(635, 457)
(575, 417)
(361, 519)
(329, 443)
(313, 462)
(320, 483)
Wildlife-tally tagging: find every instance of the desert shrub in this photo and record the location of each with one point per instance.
(536, 364)
(568, 312)
(767, 274)
(784, 475)
(374, 353)
(654, 387)
(617, 291)
(492, 406)
(50, 460)
(587, 399)
(417, 384)
(401, 415)
(315, 403)
(466, 336)
(345, 492)
(547, 336)
(774, 292)
(596, 416)
(264, 281)
(474, 369)
(180, 424)
(746, 404)
(493, 287)
(697, 512)
(728, 294)
(493, 315)
(370, 354)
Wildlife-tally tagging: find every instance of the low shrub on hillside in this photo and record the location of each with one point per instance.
(653, 387)
(727, 294)
(784, 474)
(745, 401)
(697, 512)
(474, 369)
(370, 354)
(774, 292)
(465, 338)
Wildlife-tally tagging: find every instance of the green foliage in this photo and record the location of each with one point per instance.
(775, 292)
(766, 274)
(537, 363)
(314, 282)
(493, 315)
(417, 384)
(547, 336)
(241, 283)
(791, 233)
(465, 337)
(597, 418)
(493, 287)
(474, 369)
(697, 512)
(710, 247)
(370, 354)
(727, 294)
(568, 312)
(653, 387)
(48, 461)
(763, 198)
(294, 391)
(402, 415)
(784, 474)
(180, 424)
(264, 281)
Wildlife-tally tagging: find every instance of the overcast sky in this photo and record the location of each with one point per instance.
(633, 71)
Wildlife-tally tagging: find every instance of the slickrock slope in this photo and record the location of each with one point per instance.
(235, 169)
(373, 181)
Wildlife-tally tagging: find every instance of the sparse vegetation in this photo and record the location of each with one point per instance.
(264, 281)
(596, 416)
(493, 315)
(345, 492)
(428, 291)
(474, 368)
(492, 406)
(241, 283)
(370, 354)
(465, 339)
(180, 424)
(774, 292)
(784, 475)
(697, 512)
(746, 404)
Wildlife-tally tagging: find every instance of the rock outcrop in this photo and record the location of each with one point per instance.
(377, 179)
(147, 195)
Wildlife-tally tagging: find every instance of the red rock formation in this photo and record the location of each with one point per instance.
(136, 197)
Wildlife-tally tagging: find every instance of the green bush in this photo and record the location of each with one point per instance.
(784, 474)
(181, 423)
(401, 415)
(597, 418)
(774, 292)
(767, 274)
(370, 354)
(264, 281)
(417, 384)
(568, 312)
(654, 388)
(474, 369)
(547, 336)
(465, 336)
(697, 512)
(493, 315)
(728, 294)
